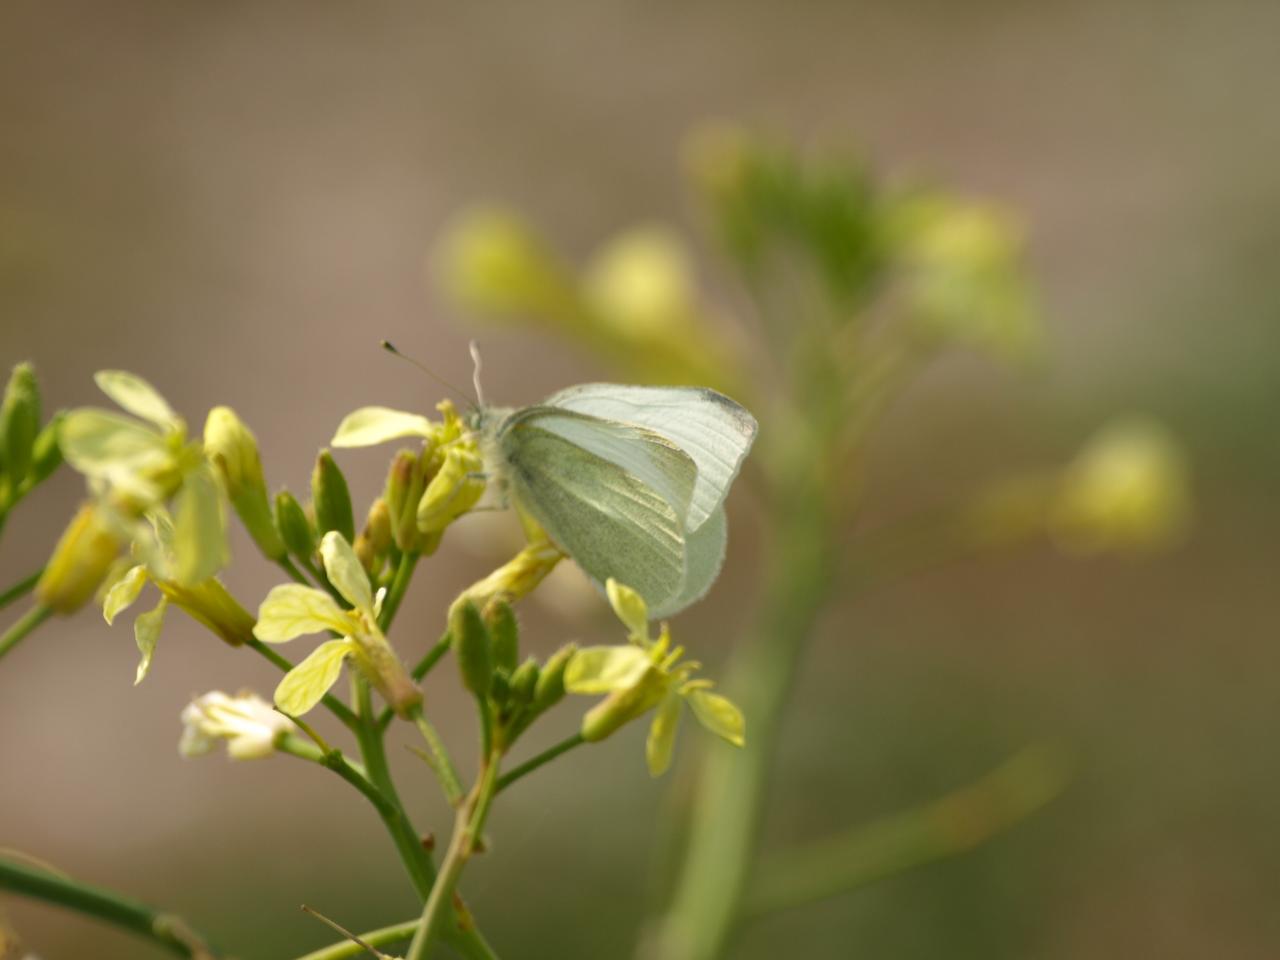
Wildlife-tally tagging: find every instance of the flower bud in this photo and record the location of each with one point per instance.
(19, 422)
(504, 634)
(374, 541)
(331, 498)
(387, 674)
(210, 603)
(405, 483)
(455, 489)
(233, 450)
(46, 456)
(524, 681)
(470, 640)
(622, 706)
(549, 689)
(295, 529)
(81, 560)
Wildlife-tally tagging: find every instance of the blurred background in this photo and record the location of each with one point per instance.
(237, 200)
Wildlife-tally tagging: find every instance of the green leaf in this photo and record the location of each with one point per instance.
(602, 669)
(292, 610)
(307, 683)
(345, 571)
(719, 715)
(370, 426)
(662, 735)
(199, 529)
(146, 632)
(138, 397)
(124, 592)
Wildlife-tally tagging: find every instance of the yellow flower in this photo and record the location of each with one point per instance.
(292, 610)
(642, 675)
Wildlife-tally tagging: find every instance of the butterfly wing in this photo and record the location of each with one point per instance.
(712, 429)
(613, 496)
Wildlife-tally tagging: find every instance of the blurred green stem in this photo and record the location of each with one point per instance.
(953, 825)
(438, 759)
(167, 931)
(24, 626)
(396, 592)
(20, 589)
(726, 812)
(546, 756)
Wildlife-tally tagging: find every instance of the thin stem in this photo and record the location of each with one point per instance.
(467, 829)
(336, 761)
(27, 623)
(399, 586)
(439, 761)
(546, 756)
(164, 930)
(420, 670)
(20, 589)
(332, 703)
(382, 937)
(948, 827)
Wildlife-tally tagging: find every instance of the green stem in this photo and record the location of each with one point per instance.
(729, 796)
(399, 586)
(948, 827)
(439, 760)
(420, 670)
(27, 623)
(468, 827)
(332, 703)
(383, 937)
(546, 756)
(164, 930)
(20, 589)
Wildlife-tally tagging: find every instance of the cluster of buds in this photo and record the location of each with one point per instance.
(426, 490)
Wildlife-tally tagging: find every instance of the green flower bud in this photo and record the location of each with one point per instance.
(46, 456)
(622, 706)
(331, 498)
(81, 561)
(524, 682)
(374, 541)
(295, 529)
(211, 604)
(405, 483)
(504, 633)
(499, 689)
(233, 450)
(549, 689)
(470, 640)
(19, 422)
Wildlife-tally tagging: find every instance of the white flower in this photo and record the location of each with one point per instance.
(246, 721)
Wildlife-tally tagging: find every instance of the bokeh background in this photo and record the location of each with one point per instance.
(235, 200)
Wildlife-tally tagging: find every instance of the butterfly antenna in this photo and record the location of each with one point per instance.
(475, 376)
(391, 348)
(344, 932)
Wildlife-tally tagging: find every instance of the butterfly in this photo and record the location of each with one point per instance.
(629, 481)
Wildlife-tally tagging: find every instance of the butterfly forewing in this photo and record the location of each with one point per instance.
(606, 517)
(712, 429)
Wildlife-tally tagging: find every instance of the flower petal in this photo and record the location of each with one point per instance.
(137, 396)
(307, 683)
(123, 593)
(199, 529)
(602, 669)
(345, 571)
(146, 632)
(719, 715)
(662, 735)
(369, 426)
(291, 610)
(96, 442)
(630, 608)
